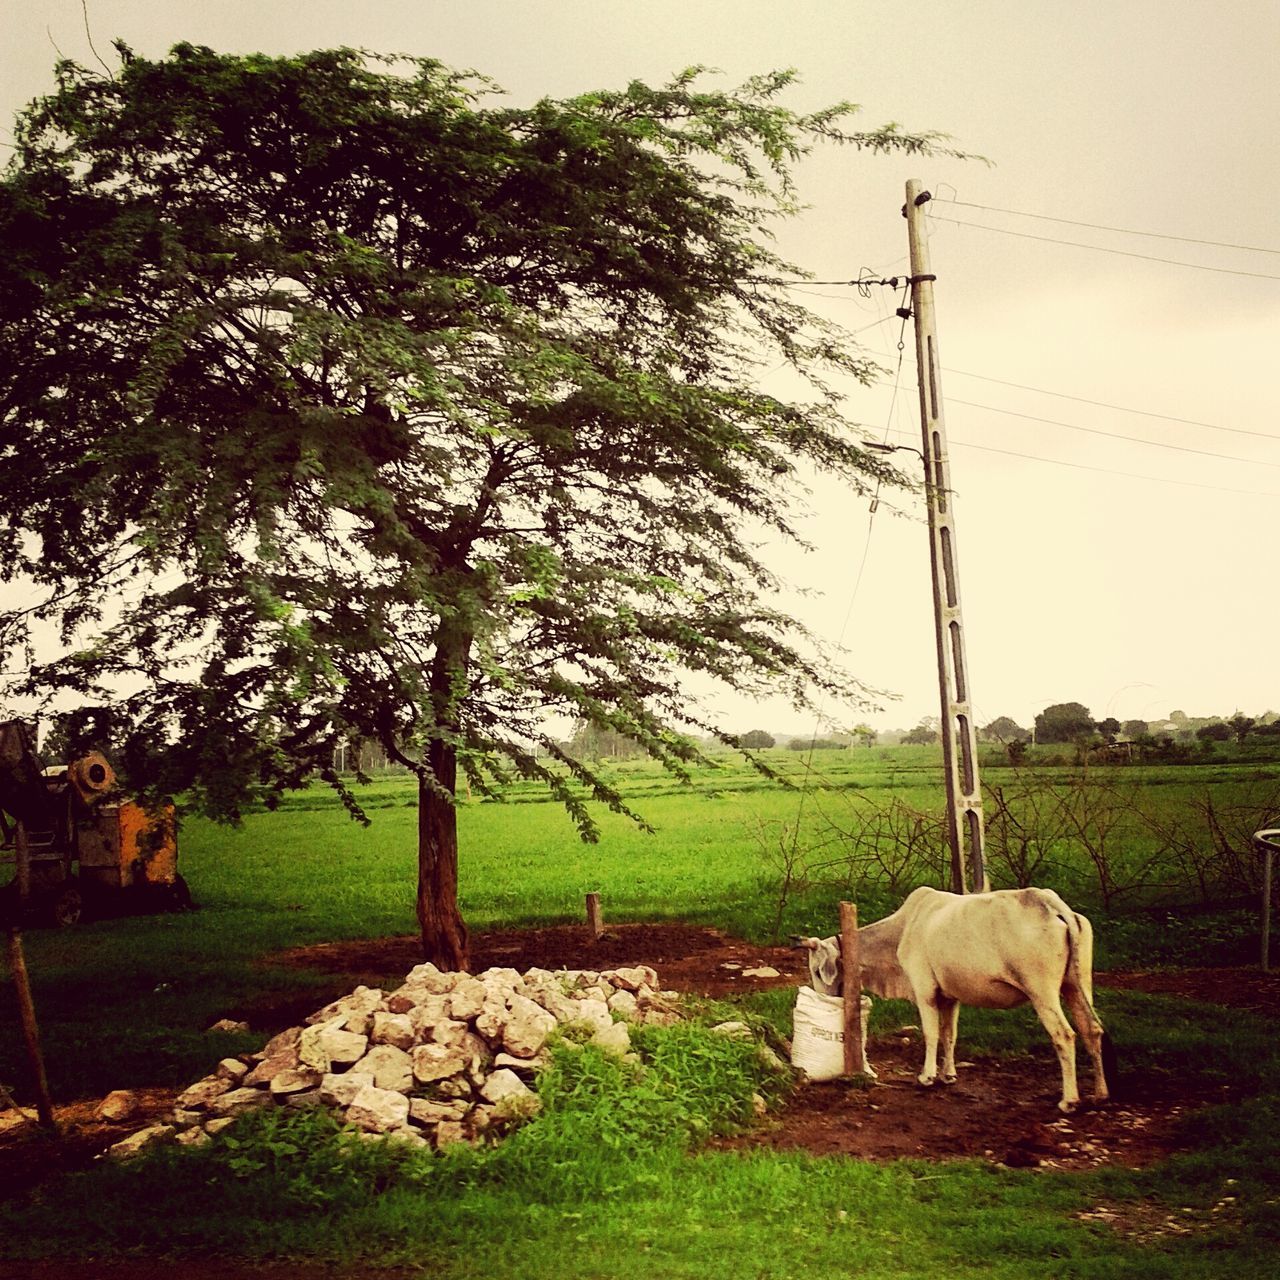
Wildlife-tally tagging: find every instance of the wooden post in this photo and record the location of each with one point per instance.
(1266, 843)
(22, 981)
(854, 1065)
(595, 918)
(30, 1033)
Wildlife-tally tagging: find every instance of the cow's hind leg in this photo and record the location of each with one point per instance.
(1091, 1032)
(948, 1019)
(1055, 1023)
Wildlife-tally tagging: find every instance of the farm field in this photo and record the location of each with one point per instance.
(620, 1181)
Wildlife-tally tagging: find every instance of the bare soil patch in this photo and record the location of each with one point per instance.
(1000, 1110)
(1003, 1110)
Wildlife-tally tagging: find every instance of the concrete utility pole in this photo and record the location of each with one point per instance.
(964, 790)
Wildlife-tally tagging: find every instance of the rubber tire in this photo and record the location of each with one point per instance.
(65, 907)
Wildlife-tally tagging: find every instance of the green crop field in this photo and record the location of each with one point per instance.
(611, 1181)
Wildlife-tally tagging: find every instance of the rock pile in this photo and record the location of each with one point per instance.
(446, 1058)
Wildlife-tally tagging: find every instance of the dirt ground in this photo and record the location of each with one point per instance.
(1000, 1110)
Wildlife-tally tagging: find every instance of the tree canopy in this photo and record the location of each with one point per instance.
(1064, 722)
(340, 400)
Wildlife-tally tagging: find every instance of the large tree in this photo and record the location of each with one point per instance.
(340, 401)
(1064, 722)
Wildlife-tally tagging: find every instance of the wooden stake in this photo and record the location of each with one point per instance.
(595, 917)
(30, 1032)
(854, 1064)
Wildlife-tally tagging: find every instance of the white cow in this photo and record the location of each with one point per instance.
(989, 950)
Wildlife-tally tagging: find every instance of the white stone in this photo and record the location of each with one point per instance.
(449, 1133)
(493, 1017)
(623, 1003)
(524, 1066)
(761, 971)
(282, 1043)
(394, 1029)
(391, 1068)
(504, 1084)
(593, 1013)
(426, 1111)
(433, 1062)
(498, 979)
(215, 1127)
(294, 1080)
(466, 999)
(378, 1110)
(426, 1013)
(194, 1137)
(232, 1069)
(615, 1038)
(527, 1028)
(340, 1090)
(151, 1136)
(203, 1093)
(361, 1001)
(327, 1045)
(238, 1101)
(449, 1032)
(118, 1106)
(736, 1030)
(229, 1026)
(632, 979)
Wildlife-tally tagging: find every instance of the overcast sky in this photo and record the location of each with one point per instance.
(1137, 578)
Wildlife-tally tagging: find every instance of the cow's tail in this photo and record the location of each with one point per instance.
(1080, 968)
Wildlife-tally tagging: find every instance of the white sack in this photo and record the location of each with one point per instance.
(817, 1042)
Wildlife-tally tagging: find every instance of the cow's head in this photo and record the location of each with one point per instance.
(826, 975)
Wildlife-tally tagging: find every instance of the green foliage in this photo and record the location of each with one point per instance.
(1064, 722)
(369, 409)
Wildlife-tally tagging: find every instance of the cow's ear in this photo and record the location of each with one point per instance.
(800, 943)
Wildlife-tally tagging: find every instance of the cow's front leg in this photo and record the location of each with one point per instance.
(948, 1019)
(929, 1026)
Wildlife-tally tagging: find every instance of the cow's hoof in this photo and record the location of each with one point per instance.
(926, 1082)
(947, 1079)
(1067, 1107)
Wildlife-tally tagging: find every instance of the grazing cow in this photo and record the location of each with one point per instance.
(989, 950)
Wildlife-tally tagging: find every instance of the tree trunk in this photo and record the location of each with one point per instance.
(444, 934)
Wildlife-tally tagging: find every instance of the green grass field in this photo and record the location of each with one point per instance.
(610, 1181)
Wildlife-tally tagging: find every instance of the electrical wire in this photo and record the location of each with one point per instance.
(1114, 435)
(1097, 226)
(1097, 248)
(1102, 404)
(1110, 471)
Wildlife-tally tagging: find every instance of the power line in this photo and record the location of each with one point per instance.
(1124, 253)
(1097, 226)
(1110, 471)
(1114, 435)
(1102, 404)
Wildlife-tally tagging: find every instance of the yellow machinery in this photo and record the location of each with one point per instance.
(86, 846)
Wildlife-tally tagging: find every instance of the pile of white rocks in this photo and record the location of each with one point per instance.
(444, 1059)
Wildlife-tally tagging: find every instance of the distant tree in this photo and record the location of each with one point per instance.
(592, 741)
(816, 744)
(758, 738)
(1064, 722)
(1003, 729)
(865, 734)
(1241, 726)
(1218, 732)
(1016, 749)
(1108, 728)
(924, 734)
(1135, 729)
